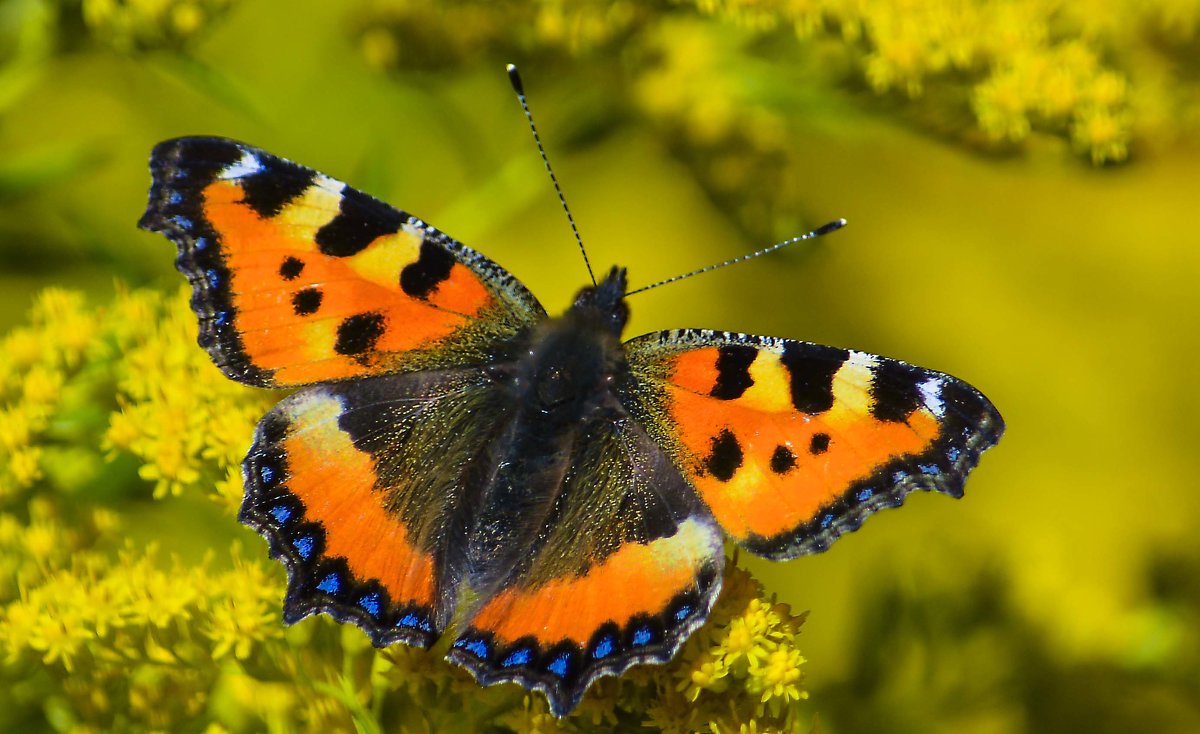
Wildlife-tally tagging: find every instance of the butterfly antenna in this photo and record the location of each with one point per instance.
(825, 229)
(519, 88)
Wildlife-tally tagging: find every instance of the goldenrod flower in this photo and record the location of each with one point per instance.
(704, 673)
(20, 349)
(533, 717)
(1019, 68)
(778, 676)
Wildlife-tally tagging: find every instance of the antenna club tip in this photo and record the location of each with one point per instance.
(514, 78)
(833, 226)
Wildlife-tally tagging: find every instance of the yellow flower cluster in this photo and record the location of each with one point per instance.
(1064, 86)
(743, 667)
(122, 372)
(131, 25)
(181, 435)
(132, 639)
(99, 632)
(39, 400)
(1029, 65)
(989, 72)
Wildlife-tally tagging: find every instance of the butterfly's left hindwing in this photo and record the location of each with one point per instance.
(359, 487)
(791, 444)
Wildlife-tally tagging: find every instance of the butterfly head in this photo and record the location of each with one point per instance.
(605, 301)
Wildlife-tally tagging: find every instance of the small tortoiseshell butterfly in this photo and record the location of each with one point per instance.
(446, 435)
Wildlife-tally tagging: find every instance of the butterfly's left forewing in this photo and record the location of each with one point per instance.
(298, 278)
(792, 444)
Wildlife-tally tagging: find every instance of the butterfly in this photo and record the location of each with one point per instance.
(446, 436)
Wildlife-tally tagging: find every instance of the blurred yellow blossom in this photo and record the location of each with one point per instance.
(21, 348)
(1001, 108)
(1102, 134)
(1017, 68)
(131, 25)
(402, 34)
(1023, 77)
(24, 467)
(533, 717)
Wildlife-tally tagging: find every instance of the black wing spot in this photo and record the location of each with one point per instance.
(733, 371)
(307, 301)
(783, 460)
(812, 376)
(420, 278)
(895, 390)
(360, 220)
(275, 185)
(358, 333)
(726, 456)
(291, 268)
(819, 444)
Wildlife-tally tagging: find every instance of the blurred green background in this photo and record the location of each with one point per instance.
(1022, 182)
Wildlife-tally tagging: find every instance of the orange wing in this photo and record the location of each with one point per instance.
(298, 278)
(356, 485)
(792, 444)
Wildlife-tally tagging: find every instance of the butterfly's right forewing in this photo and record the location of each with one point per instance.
(792, 444)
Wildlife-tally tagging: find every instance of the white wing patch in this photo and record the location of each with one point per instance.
(247, 166)
(931, 395)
